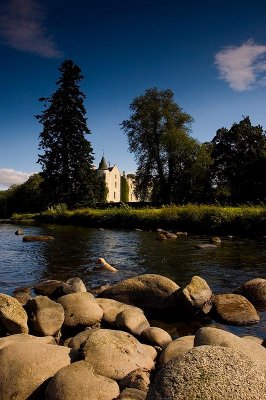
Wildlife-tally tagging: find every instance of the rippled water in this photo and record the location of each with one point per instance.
(75, 250)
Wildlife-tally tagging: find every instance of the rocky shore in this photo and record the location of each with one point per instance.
(63, 341)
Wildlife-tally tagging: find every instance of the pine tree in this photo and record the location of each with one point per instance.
(67, 156)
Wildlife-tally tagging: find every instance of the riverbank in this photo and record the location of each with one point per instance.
(242, 220)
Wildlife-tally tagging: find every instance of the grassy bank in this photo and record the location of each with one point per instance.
(244, 220)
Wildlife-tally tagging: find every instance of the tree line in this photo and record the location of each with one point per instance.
(172, 166)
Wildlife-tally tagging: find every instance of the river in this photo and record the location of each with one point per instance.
(76, 249)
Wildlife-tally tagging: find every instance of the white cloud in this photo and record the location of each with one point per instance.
(242, 66)
(22, 28)
(10, 177)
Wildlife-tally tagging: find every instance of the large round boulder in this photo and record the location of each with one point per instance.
(26, 367)
(13, 317)
(80, 309)
(156, 337)
(176, 347)
(132, 320)
(78, 381)
(218, 337)
(111, 308)
(23, 337)
(115, 353)
(254, 290)
(234, 309)
(45, 316)
(209, 372)
(51, 288)
(150, 292)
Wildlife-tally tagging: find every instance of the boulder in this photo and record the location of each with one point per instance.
(218, 337)
(26, 367)
(51, 288)
(132, 320)
(195, 298)
(206, 246)
(161, 236)
(254, 290)
(78, 381)
(176, 347)
(111, 308)
(41, 238)
(23, 337)
(22, 297)
(80, 309)
(170, 235)
(156, 337)
(234, 309)
(74, 285)
(19, 232)
(78, 340)
(150, 292)
(13, 317)
(138, 379)
(215, 240)
(132, 394)
(209, 372)
(46, 317)
(115, 353)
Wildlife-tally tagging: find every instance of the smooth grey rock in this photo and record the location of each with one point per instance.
(218, 337)
(78, 381)
(234, 309)
(46, 317)
(209, 372)
(80, 309)
(12, 315)
(176, 347)
(115, 353)
(25, 368)
(156, 337)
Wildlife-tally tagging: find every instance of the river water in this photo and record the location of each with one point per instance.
(76, 249)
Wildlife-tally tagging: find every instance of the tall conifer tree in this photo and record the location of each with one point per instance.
(67, 156)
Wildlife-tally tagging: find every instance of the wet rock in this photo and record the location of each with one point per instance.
(132, 320)
(215, 240)
(46, 317)
(138, 379)
(80, 309)
(170, 235)
(132, 394)
(218, 337)
(196, 297)
(41, 238)
(161, 236)
(181, 233)
(78, 381)
(19, 232)
(254, 290)
(25, 368)
(12, 315)
(209, 372)
(150, 292)
(156, 337)
(23, 337)
(234, 309)
(176, 347)
(115, 353)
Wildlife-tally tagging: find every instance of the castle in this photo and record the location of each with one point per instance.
(114, 181)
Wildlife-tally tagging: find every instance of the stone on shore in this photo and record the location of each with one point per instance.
(26, 367)
(176, 347)
(78, 381)
(150, 292)
(51, 288)
(218, 337)
(80, 309)
(111, 308)
(209, 372)
(46, 317)
(78, 340)
(137, 379)
(156, 337)
(115, 353)
(13, 317)
(23, 337)
(195, 297)
(74, 285)
(234, 309)
(132, 320)
(132, 394)
(254, 290)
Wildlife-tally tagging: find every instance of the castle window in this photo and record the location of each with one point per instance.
(115, 184)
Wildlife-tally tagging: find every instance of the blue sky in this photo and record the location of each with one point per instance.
(211, 53)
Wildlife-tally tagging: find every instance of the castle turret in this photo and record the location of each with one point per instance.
(103, 164)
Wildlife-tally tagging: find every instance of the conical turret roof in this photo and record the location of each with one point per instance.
(103, 164)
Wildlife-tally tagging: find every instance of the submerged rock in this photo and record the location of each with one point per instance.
(41, 238)
(254, 290)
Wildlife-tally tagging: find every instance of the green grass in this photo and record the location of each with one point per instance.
(246, 220)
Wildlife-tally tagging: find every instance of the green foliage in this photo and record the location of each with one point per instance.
(124, 198)
(167, 157)
(67, 159)
(239, 163)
